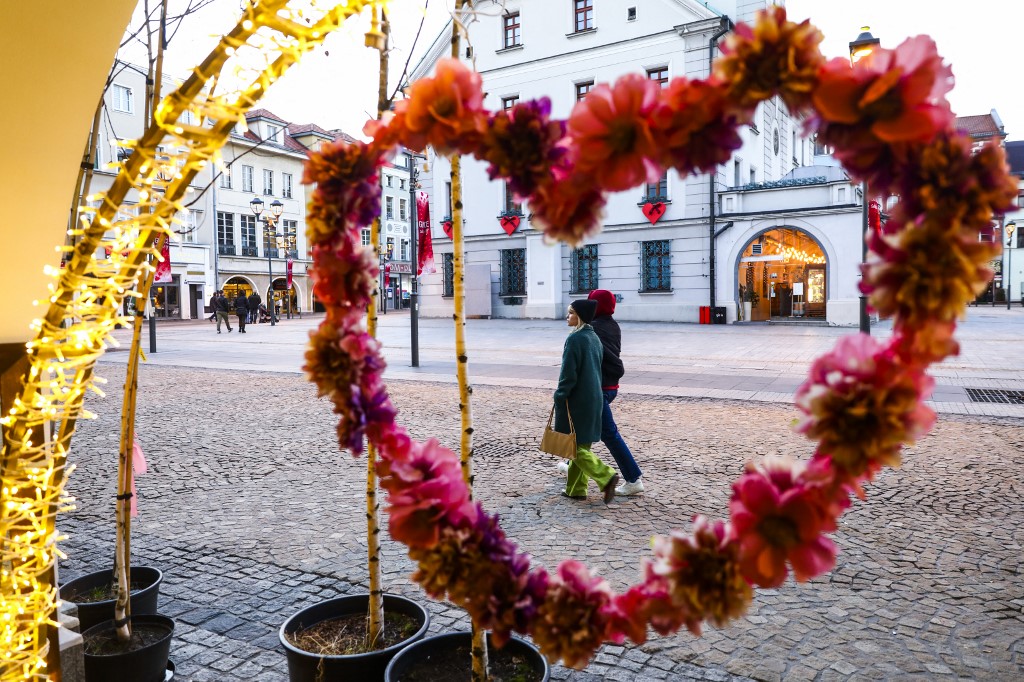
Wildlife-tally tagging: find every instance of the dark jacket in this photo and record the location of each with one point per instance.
(607, 329)
(222, 305)
(579, 382)
(241, 307)
(254, 301)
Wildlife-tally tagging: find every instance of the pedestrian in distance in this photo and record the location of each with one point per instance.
(254, 307)
(213, 305)
(242, 311)
(578, 396)
(612, 370)
(223, 307)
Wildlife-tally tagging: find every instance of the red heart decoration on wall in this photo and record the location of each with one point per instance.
(447, 227)
(509, 223)
(654, 211)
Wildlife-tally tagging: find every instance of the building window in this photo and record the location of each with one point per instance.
(513, 36)
(657, 266)
(364, 237)
(248, 228)
(583, 266)
(448, 272)
(269, 244)
(448, 199)
(286, 185)
(582, 89)
(190, 225)
(401, 183)
(404, 246)
(274, 133)
(225, 177)
(389, 180)
(268, 182)
(657, 191)
(225, 233)
(511, 205)
(291, 229)
(509, 102)
(123, 100)
(389, 248)
(389, 208)
(659, 75)
(247, 178)
(401, 209)
(584, 14)
(513, 272)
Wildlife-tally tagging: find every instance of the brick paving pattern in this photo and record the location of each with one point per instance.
(252, 514)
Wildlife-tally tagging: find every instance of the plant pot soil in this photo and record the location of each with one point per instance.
(304, 666)
(83, 591)
(142, 659)
(448, 657)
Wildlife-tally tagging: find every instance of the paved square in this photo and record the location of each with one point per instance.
(252, 512)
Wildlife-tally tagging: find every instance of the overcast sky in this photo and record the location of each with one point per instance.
(336, 86)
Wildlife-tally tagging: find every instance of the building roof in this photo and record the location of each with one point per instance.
(981, 126)
(1015, 156)
(265, 113)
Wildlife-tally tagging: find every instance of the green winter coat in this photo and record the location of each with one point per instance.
(579, 382)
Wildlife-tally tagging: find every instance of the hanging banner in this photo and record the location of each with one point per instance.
(425, 259)
(875, 216)
(289, 287)
(163, 267)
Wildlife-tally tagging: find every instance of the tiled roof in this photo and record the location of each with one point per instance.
(978, 126)
(265, 113)
(1015, 156)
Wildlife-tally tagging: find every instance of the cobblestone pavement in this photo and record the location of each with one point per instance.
(252, 514)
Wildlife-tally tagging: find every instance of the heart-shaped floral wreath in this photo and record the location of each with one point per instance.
(890, 126)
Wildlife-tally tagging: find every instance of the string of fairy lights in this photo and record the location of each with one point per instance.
(86, 296)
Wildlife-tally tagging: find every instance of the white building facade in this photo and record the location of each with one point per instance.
(666, 268)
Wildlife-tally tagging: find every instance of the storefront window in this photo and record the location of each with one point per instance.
(166, 299)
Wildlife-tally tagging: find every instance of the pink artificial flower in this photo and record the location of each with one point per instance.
(777, 519)
(862, 404)
(572, 620)
(611, 133)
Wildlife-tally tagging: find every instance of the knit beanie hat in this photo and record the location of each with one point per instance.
(585, 309)
(605, 301)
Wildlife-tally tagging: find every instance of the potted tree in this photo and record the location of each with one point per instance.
(348, 637)
(750, 299)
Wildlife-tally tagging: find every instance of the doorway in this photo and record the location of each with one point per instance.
(781, 276)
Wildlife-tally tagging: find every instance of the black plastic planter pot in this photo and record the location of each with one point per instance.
(144, 600)
(146, 664)
(304, 666)
(433, 658)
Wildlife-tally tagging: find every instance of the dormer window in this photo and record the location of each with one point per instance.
(273, 133)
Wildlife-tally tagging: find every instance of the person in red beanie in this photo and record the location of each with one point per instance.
(607, 330)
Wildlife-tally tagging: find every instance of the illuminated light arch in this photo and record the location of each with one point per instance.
(86, 297)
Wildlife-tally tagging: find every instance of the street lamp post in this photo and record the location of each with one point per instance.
(270, 230)
(859, 49)
(1008, 276)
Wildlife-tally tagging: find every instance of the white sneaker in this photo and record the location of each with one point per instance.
(634, 488)
(563, 467)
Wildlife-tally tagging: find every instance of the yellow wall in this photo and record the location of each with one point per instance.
(56, 55)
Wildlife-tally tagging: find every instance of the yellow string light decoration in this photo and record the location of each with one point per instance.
(113, 249)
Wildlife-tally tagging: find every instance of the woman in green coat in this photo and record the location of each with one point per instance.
(579, 389)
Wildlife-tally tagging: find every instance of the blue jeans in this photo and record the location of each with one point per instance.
(613, 441)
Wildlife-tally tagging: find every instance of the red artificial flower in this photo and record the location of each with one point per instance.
(774, 56)
(889, 97)
(862, 404)
(445, 111)
(696, 126)
(524, 146)
(777, 519)
(611, 133)
(568, 210)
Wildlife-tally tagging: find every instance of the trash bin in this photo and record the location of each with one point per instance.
(718, 315)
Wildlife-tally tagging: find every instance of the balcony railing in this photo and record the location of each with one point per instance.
(226, 249)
